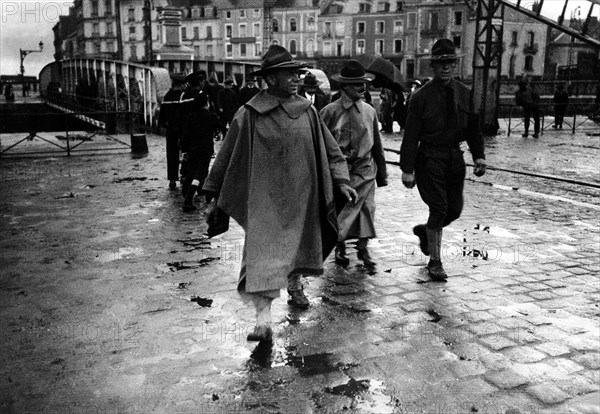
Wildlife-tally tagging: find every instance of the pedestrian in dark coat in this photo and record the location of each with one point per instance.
(172, 116)
(439, 118)
(197, 145)
(561, 100)
(248, 91)
(529, 100)
(275, 175)
(309, 89)
(227, 103)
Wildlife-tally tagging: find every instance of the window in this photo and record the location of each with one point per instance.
(242, 14)
(131, 30)
(228, 30)
(360, 27)
(327, 29)
(310, 47)
(96, 29)
(293, 47)
(311, 25)
(257, 31)
(379, 46)
(293, 27)
(383, 7)
(110, 47)
(229, 50)
(196, 32)
(98, 47)
(433, 20)
(228, 14)
(242, 30)
(379, 27)
(256, 13)
(109, 29)
(339, 28)
(529, 63)
(131, 15)
(399, 6)
(339, 49)
(107, 8)
(257, 49)
(209, 32)
(275, 25)
(458, 16)
(202, 12)
(530, 38)
(209, 50)
(195, 13)
(412, 20)
(397, 45)
(398, 26)
(243, 50)
(133, 52)
(514, 36)
(184, 33)
(364, 8)
(457, 40)
(360, 46)
(326, 48)
(94, 8)
(197, 51)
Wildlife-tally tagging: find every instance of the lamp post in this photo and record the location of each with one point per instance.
(23, 54)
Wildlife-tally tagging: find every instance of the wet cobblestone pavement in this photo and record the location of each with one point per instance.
(100, 266)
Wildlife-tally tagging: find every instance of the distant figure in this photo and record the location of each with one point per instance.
(561, 100)
(227, 103)
(248, 91)
(386, 110)
(9, 95)
(529, 100)
(309, 89)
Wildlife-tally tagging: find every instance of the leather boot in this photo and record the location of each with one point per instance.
(421, 232)
(435, 268)
(341, 257)
(296, 291)
(188, 204)
(363, 252)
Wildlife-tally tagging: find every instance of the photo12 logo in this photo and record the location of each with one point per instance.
(33, 11)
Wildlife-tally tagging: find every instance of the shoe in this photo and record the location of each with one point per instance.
(525, 135)
(560, 126)
(188, 208)
(421, 232)
(363, 253)
(298, 299)
(172, 185)
(554, 126)
(536, 135)
(436, 270)
(341, 257)
(262, 333)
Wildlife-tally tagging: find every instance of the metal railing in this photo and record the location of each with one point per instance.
(584, 117)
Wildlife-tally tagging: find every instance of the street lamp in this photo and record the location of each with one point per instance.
(24, 53)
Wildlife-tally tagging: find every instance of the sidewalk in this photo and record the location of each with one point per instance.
(99, 265)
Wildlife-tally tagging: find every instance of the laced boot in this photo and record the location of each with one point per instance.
(363, 253)
(421, 232)
(296, 291)
(435, 268)
(341, 257)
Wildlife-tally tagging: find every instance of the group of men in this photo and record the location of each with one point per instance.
(301, 181)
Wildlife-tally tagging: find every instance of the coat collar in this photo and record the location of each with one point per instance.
(294, 106)
(347, 102)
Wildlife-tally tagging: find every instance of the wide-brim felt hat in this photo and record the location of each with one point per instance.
(310, 80)
(178, 77)
(277, 58)
(195, 77)
(443, 51)
(352, 72)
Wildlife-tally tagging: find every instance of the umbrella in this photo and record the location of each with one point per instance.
(386, 73)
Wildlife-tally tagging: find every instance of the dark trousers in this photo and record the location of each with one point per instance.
(172, 158)
(559, 114)
(440, 174)
(528, 113)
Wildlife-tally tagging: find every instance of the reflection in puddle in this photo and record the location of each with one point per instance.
(367, 396)
(120, 253)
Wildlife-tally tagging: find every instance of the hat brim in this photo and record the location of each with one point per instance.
(367, 77)
(280, 66)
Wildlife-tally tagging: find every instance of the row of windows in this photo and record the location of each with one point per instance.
(244, 50)
(196, 33)
(530, 38)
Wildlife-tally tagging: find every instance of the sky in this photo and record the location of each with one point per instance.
(24, 23)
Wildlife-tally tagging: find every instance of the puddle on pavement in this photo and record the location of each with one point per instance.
(367, 396)
(202, 302)
(308, 365)
(119, 254)
(174, 266)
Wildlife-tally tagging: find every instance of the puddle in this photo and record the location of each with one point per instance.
(436, 316)
(315, 364)
(202, 302)
(129, 179)
(367, 396)
(174, 266)
(121, 253)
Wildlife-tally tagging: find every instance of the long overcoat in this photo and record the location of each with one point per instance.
(275, 175)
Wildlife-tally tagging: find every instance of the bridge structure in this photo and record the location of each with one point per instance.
(113, 86)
